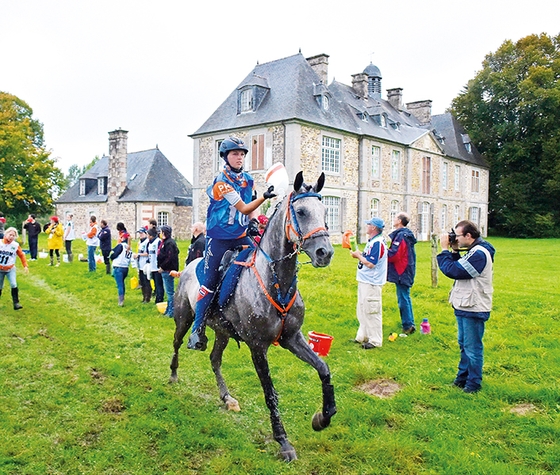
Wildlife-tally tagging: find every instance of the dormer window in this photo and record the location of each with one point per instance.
(363, 116)
(467, 142)
(102, 186)
(82, 187)
(246, 100)
(383, 120)
(325, 102)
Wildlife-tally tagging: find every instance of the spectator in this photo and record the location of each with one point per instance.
(153, 247)
(470, 297)
(2, 224)
(168, 260)
(33, 229)
(123, 233)
(196, 249)
(143, 261)
(105, 245)
(402, 268)
(121, 256)
(69, 236)
(371, 276)
(9, 249)
(54, 241)
(92, 241)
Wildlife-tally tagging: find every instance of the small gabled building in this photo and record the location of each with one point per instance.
(380, 156)
(132, 188)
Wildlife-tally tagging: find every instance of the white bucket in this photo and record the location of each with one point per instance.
(277, 176)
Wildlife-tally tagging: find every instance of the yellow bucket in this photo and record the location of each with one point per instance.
(161, 306)
(133, 282)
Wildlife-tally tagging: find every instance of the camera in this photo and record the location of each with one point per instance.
(452, 237)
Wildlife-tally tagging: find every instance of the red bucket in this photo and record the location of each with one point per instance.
(320, 343)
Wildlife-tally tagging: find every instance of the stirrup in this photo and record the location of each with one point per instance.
(198, 340)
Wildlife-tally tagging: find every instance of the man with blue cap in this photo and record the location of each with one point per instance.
(371, 275)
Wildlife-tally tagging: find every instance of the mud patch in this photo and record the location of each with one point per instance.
(523, 409)
(382, 388)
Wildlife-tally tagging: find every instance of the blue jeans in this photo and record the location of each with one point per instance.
(470, 333)
(91, 258)
(169, 286)
(120, 273)
(405, 306)
(11, 275)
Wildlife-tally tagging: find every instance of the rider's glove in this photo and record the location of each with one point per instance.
(253, 228)
(269, 193)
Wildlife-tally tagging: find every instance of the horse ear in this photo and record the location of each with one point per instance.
(320, 183)
(298, 182)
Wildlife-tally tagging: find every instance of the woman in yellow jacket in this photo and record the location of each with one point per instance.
(54, 242)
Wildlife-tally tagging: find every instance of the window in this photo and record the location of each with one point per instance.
(443, 217)
(424, 221)
(444, 175)
(246, 101)
(457, 177)
(396, 165)
(102, 186)
(217, 159)
(456, 215)
(426, 174)
(330, 155)
(325, 102)
(162, 218)
(82, 187)
(474, 215)
(375, 161)
(375, 208)
(475, 180)
(257, 152)
(332, 203)
(395, 208)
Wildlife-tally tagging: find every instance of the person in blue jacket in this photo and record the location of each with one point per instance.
(470, 297)
(232, 204)
(402, 268)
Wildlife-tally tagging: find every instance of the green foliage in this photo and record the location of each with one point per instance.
(512, 111)
(75, 172)
(29, 179)
(83, 382)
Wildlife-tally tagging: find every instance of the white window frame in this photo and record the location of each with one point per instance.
(375, 208)
(445, 175)
(424, 221)
(443, 223)
(474, 215)
(82, 187)
(457, 177)
(246, 100)
(162, 218)
(475, 180)
(101, 188)
(457, 214)
(332, 204)
(330, 154)
(375, 161)
(395, 209)
(396, 166)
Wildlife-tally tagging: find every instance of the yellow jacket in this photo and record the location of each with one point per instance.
(55, 233)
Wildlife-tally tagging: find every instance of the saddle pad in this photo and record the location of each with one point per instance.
(231, 278)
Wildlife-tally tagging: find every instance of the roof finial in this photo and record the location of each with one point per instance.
(300, 50)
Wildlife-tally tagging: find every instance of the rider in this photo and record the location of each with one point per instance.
(231, 206)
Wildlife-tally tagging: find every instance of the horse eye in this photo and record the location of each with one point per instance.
(300, 212)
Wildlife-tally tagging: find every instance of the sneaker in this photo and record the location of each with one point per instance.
(410, 330)
(368, 346)
(459, 383)
(471, 390)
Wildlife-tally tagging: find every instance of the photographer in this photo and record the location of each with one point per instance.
(470, 297)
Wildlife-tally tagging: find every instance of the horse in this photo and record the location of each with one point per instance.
(266, 308)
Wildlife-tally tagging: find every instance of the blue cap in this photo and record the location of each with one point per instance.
(377, 222)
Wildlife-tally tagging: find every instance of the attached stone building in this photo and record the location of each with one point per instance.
(132, 188)
(379, 155)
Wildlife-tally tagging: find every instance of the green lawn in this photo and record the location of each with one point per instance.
(83, 382)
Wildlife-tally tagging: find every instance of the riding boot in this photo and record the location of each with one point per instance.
(121, 300)
(107, 267)
(57, 261)
(147, 290)
(52, 263)
(15, 298)
(70, 257)
(198, 340)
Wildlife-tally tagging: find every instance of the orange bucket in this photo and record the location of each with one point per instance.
(320, 343)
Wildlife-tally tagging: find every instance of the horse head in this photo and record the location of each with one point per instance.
(305, 221)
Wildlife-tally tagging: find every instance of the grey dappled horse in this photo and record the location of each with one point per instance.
(260, 314)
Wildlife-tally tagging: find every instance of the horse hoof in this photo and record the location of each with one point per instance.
(289, 455)
(232, 405)
(319, 422)
(173, 379)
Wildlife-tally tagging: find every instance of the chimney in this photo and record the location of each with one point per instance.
(117, 164)
(394, 96)
(360, 85)
(320, 65)
(422, 110)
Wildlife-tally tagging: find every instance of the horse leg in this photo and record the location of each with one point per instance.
(182, 324)
(260, 362)
(299, 347)
(220, 344)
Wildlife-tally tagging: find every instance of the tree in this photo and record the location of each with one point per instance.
(75, 171)
(29, 179)
(511, 110)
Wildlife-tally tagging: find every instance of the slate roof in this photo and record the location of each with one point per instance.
(454, 138)
(150, 177)
(291, 87)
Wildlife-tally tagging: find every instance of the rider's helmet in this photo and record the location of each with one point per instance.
(232, 143)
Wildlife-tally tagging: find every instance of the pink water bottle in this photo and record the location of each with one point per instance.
(425, 327)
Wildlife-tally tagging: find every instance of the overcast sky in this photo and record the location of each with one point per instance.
(160, 68)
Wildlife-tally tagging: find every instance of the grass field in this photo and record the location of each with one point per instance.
(83, 382)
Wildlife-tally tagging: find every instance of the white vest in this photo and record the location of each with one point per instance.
(474, 295)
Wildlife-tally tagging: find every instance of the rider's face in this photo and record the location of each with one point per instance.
(235, 158)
